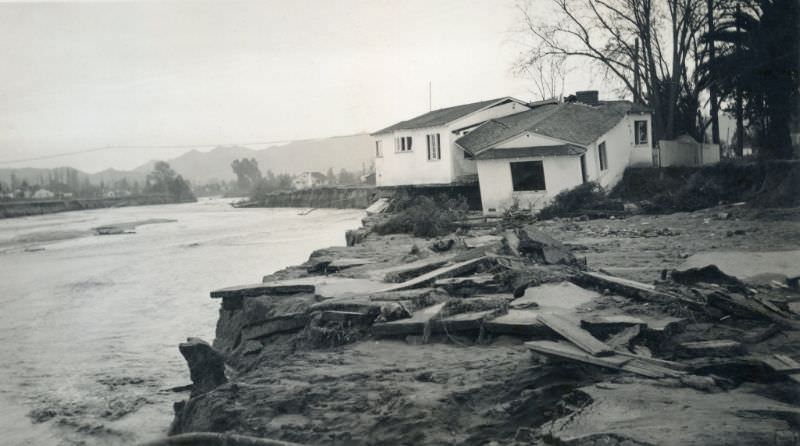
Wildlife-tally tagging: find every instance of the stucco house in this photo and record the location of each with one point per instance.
(422, 150)
(529, 157)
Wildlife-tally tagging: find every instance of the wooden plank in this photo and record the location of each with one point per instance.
(261, 289)
(447, 271)
(673, 366)
(418, 323)
(632, 288)
(748, 308)
(716, 347)
(575, 334)
(615, 362)
(780, 363)
(519, 323)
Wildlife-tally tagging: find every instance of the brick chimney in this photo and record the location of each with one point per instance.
(588, 97)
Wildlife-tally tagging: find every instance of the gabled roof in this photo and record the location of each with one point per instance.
(444, 115)
(573, 123)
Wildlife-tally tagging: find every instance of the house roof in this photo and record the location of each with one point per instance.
(443, 115)
(520, 152)
(574, 123)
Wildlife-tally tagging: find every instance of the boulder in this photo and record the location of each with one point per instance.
(206, 365)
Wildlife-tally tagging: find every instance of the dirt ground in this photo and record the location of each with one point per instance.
(474, 388)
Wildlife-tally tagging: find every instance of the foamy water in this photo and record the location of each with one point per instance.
(89, 325)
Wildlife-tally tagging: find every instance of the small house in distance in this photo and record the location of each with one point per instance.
(422, 150)
(308, 180)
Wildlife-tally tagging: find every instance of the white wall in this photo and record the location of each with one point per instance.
(400, 168)
(497, 190)
(621, 152)
(684, 153)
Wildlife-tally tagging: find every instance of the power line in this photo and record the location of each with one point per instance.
(177, 146)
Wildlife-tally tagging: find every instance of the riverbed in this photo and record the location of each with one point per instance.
(90, 323)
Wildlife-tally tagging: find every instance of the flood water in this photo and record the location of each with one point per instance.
(89, 324)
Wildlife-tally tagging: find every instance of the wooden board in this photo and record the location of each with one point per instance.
(780, 363)
(717, 347)
(616, 362)
(427, 278)
(575, 334)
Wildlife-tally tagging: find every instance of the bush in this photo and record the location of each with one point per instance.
(423, 216)
(587, 196)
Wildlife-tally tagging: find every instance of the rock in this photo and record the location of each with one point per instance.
(442, 245)
(261, 289)
(278, 324)
(206, 365)
(355, 236)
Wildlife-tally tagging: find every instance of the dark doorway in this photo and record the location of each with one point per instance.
(583, 167)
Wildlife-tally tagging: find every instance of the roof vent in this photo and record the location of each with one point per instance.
(589, 97)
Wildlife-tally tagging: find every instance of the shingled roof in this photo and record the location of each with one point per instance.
(442, 116)
(573, 123)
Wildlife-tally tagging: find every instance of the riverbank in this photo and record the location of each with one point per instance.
(502, 334)
(11, 209)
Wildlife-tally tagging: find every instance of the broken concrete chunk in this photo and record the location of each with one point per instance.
(283, 323)
(462, 322)
(340, 264)
(780, 363)
(206, 365)
(706, 274)
(519, 323)
(260, 289)
(447, 271)
(604, 326)
(541, 247)
(620, 340)
(350, 317)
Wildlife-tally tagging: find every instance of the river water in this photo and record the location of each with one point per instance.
(89, 324)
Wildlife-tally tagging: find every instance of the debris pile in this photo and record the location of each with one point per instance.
(669, 351)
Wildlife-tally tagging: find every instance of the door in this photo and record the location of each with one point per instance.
(583, 167)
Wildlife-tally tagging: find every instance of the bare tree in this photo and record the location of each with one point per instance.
(605, 33)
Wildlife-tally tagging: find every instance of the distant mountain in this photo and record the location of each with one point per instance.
(343, 152)
(352, 153)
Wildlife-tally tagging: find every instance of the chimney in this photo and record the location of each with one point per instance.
(588, 97)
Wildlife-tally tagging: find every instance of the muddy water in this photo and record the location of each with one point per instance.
(89, 325)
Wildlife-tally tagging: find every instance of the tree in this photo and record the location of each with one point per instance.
(759, 67)
(164, 180)
(247, 173)
(643, 46)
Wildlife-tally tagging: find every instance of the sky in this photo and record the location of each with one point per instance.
(80, 76)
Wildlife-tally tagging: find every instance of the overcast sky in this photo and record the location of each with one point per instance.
(83, 75)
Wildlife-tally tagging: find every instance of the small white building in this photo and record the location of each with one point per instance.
(308, 180)
(43, 194)
(529, 157)
(422, 150)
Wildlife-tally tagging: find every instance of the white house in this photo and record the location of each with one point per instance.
(43, 194)
(307, 180)
(527, 158)
(422, 150)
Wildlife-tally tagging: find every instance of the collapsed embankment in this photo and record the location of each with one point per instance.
(405, 340)
(10, 209)
(318, 197)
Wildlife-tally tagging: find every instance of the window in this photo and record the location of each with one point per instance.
(601, 151)
(402, 144)
(640, 132)
(378, 149)
(527, 175)
(434, 147)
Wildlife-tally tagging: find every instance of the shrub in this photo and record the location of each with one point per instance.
(424, 216)
(580, 198)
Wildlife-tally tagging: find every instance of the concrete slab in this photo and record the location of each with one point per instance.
(561, 297)
(519, 323)
(754, 267)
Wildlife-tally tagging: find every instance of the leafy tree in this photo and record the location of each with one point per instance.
(247, 173)
(164, 180)
(759, 62)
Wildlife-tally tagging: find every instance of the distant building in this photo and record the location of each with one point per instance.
(308, 180)
(523, 154)
(43, 194)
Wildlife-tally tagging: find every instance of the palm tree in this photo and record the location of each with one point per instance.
(760, 60)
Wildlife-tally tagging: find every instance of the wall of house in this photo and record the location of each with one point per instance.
(621, 152)
(399, 168)
(687, 153)
(497, 190)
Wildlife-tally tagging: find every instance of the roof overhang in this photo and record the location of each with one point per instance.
(527, 152)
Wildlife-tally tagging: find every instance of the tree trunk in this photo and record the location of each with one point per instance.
(712, 88)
